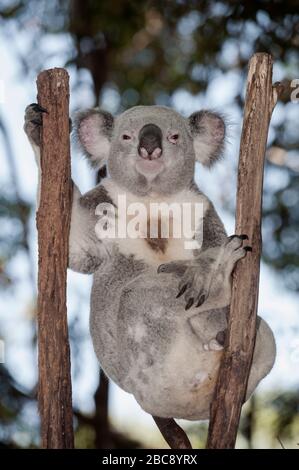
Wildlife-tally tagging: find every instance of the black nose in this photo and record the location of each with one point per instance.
(150, 141)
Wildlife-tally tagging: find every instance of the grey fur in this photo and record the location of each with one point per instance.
(159, 346)
(32, 124)
(94, 197)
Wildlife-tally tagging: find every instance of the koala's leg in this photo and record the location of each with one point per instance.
(210, 328)
(206, 281)
(206, 285)
(205, 326)
(263, 356)
(86, 252)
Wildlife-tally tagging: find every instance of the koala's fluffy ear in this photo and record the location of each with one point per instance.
(208, 132)
(93, 130)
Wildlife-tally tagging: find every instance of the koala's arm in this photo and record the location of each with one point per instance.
(205, 281)
(86, 251)
(214, 233)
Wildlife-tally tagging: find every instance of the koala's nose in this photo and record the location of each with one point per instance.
(150, 142)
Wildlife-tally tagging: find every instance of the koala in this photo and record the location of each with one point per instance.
(159, 302)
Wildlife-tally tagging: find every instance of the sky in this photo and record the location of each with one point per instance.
(277, 306)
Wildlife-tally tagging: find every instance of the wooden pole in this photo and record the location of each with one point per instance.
(231, 385)
(53, 222)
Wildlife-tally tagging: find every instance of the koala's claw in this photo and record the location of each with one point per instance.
(190, 284)
(208, 270)
(248, 248)
(189, 303)
(182, 290)
(201, 300)
(241, 237)
(38, 108)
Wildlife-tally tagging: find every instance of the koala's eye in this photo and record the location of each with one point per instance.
(173, 138)
(126, 137)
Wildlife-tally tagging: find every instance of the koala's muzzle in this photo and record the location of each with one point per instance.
(150, 142)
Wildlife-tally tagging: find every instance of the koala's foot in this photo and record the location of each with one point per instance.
(212, 267)
(194, 276)
(33, 122)
(217, 343)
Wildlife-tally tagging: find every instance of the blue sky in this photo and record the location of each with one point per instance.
(277, 306)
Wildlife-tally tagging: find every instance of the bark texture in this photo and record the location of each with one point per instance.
(53, 222)
(231, 386)
(173, 434)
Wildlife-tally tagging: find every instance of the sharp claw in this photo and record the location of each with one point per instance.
(189, 303)
(242, 237)
(248, 248)
(201, 300)
(183, 289)
(39, 108)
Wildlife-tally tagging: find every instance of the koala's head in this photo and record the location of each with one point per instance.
(150, 149)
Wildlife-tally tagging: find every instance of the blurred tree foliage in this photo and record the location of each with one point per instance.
(143, 53)
(12, 417)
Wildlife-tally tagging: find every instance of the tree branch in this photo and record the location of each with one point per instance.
(53, 221)
(235, 366)
(173, 434)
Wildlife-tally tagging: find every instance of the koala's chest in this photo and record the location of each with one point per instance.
(158, 231)
(155, 248)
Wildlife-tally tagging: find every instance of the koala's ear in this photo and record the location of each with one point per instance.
(93, 130)
(208, 132)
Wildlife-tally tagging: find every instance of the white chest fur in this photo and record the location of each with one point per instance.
(159, 229)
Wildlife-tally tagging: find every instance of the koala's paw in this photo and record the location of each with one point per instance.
(33, 122)
(212, 269)
(193, 283)
(234, 251)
